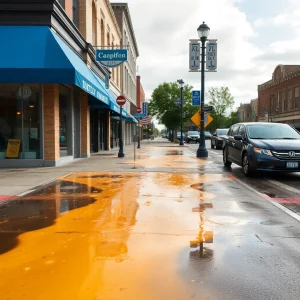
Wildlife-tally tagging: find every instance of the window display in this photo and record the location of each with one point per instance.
(20, 118)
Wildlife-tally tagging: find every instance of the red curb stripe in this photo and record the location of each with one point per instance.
(6, 197)
(287, 200)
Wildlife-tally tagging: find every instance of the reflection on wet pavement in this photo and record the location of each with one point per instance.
(136, 235)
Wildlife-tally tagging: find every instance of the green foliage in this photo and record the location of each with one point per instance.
(222, 101)
(163, 104)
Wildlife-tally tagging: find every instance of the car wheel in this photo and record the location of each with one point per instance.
(212, 145)
(247, 170)
(226, 162)
(187, 141)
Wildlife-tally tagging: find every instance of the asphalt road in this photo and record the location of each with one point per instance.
(283, 188)
(167, 226)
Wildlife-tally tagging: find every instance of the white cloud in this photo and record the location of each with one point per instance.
(163, 29)
(258, 23)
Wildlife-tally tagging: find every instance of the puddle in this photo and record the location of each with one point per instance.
(33, 212)
(222, 220)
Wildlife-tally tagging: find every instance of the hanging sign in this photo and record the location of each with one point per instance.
(194, 56)
(211, 56)
(13, 148)
(111, 58)
(24, 92)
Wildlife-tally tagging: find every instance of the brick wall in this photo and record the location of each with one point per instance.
(51, 122)
(85, 125)
(82, 16)
(69, 8)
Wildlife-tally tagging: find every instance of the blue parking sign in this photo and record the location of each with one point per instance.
(196, 98)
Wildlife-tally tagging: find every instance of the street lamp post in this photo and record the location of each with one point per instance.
(203, 32)
(181, 83)
(139, 135)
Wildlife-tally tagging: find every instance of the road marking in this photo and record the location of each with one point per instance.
(284, 186)
(266, 197)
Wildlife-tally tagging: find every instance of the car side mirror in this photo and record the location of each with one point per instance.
(238, 137)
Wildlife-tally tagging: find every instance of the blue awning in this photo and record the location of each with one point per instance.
(113, 106)
(36, 54)
(131, 118)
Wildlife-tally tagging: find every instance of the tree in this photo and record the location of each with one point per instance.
(163, 104)
(222, 101)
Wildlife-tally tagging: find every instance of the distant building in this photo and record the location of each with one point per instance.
(254, 109)
(279, 98)
(244, 112)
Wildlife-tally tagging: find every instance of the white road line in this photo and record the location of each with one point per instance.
(25, 193)
(284, 186)
(266, 197)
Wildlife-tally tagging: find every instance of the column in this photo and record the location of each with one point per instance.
(85, 125)
(51, 124)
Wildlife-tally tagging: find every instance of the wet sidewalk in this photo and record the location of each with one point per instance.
(20, 181)
(166, 226)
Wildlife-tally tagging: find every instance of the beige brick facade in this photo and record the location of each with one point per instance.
(98, 25)
(85, 125)
(51, 122)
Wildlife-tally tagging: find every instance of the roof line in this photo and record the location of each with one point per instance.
(126, 9)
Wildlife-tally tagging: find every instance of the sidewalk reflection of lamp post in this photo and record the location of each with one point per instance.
(181, 83)
(203, 32)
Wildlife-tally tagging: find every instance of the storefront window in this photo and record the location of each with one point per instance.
(20, 118)
(114, 132)
(65, 122)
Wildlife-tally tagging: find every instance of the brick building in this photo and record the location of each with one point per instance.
(279, 98)
(53, 97)
(247, 112)
(140, 94)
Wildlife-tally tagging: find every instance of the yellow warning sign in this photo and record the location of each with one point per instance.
(196, 118)
(13, 148)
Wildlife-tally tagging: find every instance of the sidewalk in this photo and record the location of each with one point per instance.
(20, 181)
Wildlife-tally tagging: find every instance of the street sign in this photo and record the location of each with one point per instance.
(208, 108)
(196, 98)
(145, 108)
(196, 119)
(138, 110)
(121, 100)
(211, 56)
(194, 55)
(139, 115)
(111, 58)
(177, 102)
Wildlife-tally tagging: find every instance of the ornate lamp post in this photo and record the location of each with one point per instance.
(181, 83)
(203, 32)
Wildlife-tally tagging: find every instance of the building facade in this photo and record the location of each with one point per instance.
(247, 112)
(254, 110)
(128, 73)
(244, 112)
(53, 98)
(279, 98)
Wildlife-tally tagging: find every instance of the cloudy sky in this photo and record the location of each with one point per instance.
(253, 37)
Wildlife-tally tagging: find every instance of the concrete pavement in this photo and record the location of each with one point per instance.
(168, 226)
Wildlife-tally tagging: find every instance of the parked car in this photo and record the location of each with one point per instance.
(207, 135)
(217, 138)
(192, 136)
(262, 147)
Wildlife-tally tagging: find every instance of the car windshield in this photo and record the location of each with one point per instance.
(272, 132)
(193, 133)
(222, 131)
